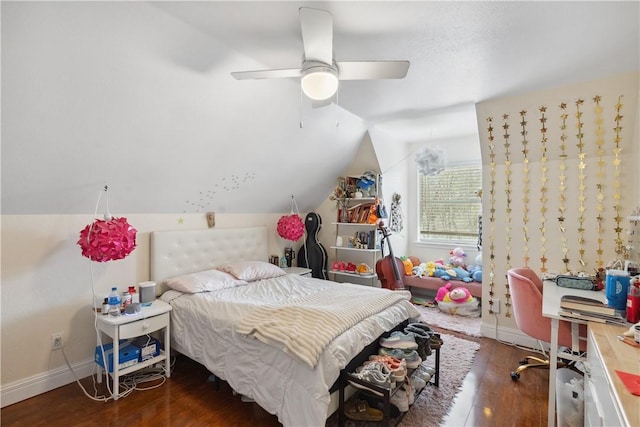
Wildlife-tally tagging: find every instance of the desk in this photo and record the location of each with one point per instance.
(551, 294)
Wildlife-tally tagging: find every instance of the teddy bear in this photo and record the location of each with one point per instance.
(457, 257)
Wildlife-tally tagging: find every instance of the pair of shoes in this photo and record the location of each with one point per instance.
(351, 267)
(363, 269)
(399, 340)
(360, 410)
(404, 397)
(398, 367)
(376, 373)
(338, 266)
(422, 334)
(418, 382)
(424, 372)
(411, 357)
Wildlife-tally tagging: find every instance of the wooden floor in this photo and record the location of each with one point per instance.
(488, 398)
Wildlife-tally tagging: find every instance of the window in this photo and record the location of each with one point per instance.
(449, 204)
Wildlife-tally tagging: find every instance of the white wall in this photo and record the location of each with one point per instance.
(508, 230)
(48, 287)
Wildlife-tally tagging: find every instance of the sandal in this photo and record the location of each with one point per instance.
(361, 411)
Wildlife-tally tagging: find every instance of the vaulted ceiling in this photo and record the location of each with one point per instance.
(139, 95)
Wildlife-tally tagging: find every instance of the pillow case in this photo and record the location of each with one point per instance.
(252, 270)
(203, 281)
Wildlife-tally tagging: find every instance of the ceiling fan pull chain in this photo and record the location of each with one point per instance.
(301, 122)
(337, 105)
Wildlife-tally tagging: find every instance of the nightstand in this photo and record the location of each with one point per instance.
(301, 271)
(150, 319)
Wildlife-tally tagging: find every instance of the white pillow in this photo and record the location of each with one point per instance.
(203, 281)
(252, 270)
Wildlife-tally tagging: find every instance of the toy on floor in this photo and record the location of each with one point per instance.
(457, 301)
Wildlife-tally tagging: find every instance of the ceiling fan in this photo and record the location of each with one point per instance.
(320, 73)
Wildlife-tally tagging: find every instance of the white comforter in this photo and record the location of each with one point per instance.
(203, 328)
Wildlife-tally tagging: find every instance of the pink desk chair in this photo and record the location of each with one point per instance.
(526, 299)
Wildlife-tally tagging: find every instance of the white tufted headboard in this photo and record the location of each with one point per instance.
(173, 253)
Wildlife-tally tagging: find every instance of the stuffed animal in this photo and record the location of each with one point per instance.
(442, 293)
(415, 261)
(476, 272)
(461, 274)
(419, 270)
(457, 257)
(408, 266)
(458, 295)
(429, 268)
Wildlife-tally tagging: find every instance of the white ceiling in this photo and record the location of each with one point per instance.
(152, 79)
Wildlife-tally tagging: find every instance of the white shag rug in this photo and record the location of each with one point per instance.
(468, 325)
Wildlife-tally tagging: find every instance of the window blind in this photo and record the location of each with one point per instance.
(449, 204)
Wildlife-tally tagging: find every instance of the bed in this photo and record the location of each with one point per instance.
(290, 376)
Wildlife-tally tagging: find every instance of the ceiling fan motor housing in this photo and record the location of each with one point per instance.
(319, 80)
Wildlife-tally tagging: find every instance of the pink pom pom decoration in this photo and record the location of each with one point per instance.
(106, 240)
(290, 227)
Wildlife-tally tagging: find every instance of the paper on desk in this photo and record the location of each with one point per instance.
(630, 381)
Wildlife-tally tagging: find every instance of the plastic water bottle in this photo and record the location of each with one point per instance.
(114, 302)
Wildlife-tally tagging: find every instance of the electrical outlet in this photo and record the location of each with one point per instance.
(495, 306)
(56, 341)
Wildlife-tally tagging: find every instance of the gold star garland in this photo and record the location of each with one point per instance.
(616, 173)
(562, 185)
(581, 176)
(507, 172)
(525, 188)
(543, 190)
(492, 211)
(600, 184)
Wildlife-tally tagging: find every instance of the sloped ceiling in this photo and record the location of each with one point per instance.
(139, 95)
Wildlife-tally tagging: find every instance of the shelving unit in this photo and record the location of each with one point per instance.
(357, 241)
(347, 253)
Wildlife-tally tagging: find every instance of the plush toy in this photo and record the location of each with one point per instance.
(458, 295)
(443, 273)
(442, 293)
(457, 257)
(408, 266)
(415, 261)
(461, 274)
(429, 268)
(419, 270)
(476, 272)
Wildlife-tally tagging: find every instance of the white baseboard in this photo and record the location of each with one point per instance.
(37, 384)
(509, 336)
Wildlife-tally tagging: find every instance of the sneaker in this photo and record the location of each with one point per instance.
(399, 340)
(400, 400)
(398, 367)
(335, 266)
(351, 267)
(424, 372)
(422, 334)
(411, 357)
(376, 373)
(418, 382)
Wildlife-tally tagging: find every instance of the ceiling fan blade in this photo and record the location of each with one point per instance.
(372, 70)
(267, 74)
(317, 34)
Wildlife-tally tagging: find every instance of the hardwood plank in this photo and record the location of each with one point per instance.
(488, 397)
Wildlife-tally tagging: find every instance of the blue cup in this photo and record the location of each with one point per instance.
(617, 287)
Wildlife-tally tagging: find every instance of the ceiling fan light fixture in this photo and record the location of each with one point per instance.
(319, 82)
